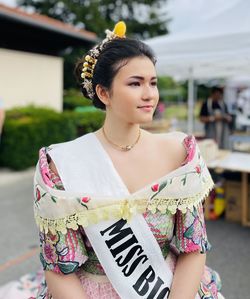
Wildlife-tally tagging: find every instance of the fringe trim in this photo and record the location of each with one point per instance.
(125, 209)
(182, 204)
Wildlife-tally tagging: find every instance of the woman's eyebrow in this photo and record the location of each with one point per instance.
(141, 78)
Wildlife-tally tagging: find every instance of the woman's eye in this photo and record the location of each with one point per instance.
(134, 84)
(154, 83)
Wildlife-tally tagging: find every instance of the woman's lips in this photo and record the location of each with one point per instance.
(146, 108)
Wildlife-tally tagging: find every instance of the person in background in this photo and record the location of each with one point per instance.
(2, 117)
(242, 117)
(214, 114)
(160, 109)
(243, 101)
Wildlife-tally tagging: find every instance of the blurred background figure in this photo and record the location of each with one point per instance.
(243, 109)
(160, 109)
(214, 114)
(243, 101)
(2, 117)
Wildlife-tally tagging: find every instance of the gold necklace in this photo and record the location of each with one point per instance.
(121, 147)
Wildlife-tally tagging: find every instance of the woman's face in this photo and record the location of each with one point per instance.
(134, 94)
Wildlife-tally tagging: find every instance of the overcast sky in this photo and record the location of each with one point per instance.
(184, 13)
(187, 13)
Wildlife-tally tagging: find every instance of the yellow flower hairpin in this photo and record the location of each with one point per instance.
(120, 29)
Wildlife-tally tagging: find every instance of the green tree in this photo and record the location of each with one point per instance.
(143, 18)
(170, 90)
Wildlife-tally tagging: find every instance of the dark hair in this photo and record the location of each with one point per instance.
(216, 89)
(115, 54)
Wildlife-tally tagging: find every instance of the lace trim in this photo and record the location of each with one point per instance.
(125, 209)
(182, 204)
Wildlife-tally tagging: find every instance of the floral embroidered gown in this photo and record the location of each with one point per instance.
(72, 251)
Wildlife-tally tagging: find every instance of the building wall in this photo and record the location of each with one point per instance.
(27, 78)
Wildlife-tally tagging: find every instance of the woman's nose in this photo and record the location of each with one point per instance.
(149, 93)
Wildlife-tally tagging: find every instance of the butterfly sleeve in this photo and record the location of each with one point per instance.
(190, 231)
(60, 253)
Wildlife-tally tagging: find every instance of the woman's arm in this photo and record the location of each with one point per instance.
(64, 286)
(187, 276)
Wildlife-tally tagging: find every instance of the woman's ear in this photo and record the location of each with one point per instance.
(102, 94)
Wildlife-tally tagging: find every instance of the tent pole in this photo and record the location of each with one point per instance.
(190, 101)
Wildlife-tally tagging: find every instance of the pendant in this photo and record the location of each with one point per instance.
(127, 148)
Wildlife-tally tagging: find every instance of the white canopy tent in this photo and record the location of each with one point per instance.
(216, 48)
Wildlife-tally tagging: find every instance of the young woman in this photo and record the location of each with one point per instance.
(120, 209)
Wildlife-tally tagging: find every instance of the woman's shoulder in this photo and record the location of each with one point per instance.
(177, 143)
(173, 139)
(176, 138)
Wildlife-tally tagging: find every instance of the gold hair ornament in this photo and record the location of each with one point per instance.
(90, 60)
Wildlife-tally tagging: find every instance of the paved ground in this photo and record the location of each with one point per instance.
(17, 227)
(230, 255)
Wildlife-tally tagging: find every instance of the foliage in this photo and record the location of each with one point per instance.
(86, 122)
(170, 91)
(20, 113)
(143, 18)
(179, 111)
(28, 129)
(73, 99)
(203, 92)
(70, 57)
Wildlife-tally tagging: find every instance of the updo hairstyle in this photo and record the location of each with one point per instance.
(115, 55)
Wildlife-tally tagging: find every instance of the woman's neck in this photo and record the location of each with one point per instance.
(121, 133)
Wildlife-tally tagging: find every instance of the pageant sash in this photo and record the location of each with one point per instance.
(131, 258)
